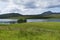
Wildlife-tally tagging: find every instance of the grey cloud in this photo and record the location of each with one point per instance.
(53, 6)
(35, 5)
(42, 4)
(30, 5)
(15, 10)
(4, 0)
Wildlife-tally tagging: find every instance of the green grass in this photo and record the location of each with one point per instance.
(31, 31)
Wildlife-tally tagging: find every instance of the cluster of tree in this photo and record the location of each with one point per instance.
(21, 20)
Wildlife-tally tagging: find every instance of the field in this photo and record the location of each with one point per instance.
(30, 31)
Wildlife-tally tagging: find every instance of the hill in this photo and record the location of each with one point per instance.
(44, 15)
(10, 15)
(50, 14)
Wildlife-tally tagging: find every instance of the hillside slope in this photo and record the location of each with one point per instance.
(10, 15)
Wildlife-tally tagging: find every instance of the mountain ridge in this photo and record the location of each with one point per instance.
(8, 15)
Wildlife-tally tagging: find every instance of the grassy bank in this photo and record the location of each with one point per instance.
(31, 31)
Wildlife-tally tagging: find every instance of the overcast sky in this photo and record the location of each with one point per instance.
(29, 6)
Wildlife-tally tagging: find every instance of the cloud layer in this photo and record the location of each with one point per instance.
(28, 6)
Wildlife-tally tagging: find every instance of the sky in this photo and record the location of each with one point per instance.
(29, 7)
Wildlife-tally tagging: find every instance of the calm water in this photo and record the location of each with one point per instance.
(43, 20)
(8, 21)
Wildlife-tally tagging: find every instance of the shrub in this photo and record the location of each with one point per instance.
(21, 20)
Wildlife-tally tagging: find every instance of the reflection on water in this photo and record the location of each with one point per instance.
(43, 20)
(13, 21)
(8, 21)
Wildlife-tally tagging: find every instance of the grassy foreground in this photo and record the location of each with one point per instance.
(31, 31)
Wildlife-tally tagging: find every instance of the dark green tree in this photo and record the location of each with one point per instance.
(21, 21)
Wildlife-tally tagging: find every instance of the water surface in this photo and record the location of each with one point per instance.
(8, 21)
(43, 20)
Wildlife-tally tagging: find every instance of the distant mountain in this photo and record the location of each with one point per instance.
(8, 15)
(44, 15)
(48, 13)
